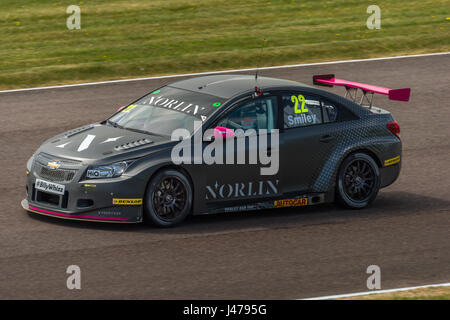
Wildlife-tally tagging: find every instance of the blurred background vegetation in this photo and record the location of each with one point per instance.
(136, 38)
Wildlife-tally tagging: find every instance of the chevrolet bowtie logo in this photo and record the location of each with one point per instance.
(53, 165)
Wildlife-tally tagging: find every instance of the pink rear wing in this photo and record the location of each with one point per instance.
(394, 94)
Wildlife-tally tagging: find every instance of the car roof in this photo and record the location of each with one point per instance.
(227, 86)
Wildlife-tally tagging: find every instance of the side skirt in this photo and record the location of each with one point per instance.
(284, 202)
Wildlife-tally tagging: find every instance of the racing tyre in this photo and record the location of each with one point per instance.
(358, 181)
(168, 199)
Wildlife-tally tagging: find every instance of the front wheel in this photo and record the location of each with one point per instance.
(168, 199)
(358, 181)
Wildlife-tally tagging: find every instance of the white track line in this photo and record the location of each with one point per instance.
(225, 71)
(339, 296)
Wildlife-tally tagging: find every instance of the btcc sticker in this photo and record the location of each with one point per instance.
(127, 202)
(390, 162)
(291, 202)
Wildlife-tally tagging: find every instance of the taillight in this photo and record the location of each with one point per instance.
(394, 128)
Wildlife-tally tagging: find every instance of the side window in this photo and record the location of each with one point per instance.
(255, 114)
(301, 110)
(330, 112)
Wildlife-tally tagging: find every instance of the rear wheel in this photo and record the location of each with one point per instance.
(358, 181)
(168, 199)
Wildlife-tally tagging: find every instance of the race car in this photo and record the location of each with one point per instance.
(220, 143)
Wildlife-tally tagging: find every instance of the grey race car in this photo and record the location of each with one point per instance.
(123, 169)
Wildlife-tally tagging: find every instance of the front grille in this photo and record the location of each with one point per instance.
(65, 173)
(58, 175)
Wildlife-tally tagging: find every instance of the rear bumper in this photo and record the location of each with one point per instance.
(391, 163)
(389, 174)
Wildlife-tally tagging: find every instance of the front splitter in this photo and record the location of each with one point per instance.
(79, 217)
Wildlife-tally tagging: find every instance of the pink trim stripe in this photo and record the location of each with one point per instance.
(75, 216)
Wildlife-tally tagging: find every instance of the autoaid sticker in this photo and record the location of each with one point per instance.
(390, 162)
(127, 202)
(299, 100)
(291, 202)
(129, 108)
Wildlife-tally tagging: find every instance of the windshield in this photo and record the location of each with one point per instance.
(167, 109)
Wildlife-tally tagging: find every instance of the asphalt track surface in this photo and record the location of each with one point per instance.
(278, 254)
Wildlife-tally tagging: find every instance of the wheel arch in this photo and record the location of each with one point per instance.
(349, 203)
(173, 167)
(365, 150)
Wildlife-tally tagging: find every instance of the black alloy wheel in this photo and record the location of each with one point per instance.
(168, 198)
(358, 181)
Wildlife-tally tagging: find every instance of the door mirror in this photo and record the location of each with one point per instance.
(223, 132)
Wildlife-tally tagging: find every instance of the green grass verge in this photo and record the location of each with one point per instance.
(134, 38)
(432, 293)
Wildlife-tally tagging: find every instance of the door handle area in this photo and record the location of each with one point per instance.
(326, 138)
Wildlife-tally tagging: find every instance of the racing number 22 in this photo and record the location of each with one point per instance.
(297, 100)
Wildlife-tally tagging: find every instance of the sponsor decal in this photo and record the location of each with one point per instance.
(90, 185)
(127, 202)
(291, 202)
(241, 189)
(178, 105)
(248, 207)
(109, 213)
(49, 187)
(53, 165)
(390, 162)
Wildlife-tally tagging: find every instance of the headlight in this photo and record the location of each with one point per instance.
(108, 171)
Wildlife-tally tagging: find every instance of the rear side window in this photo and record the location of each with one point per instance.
(301, 110)
(330, 112)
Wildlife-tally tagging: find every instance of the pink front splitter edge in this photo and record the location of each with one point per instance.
(75, 216)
